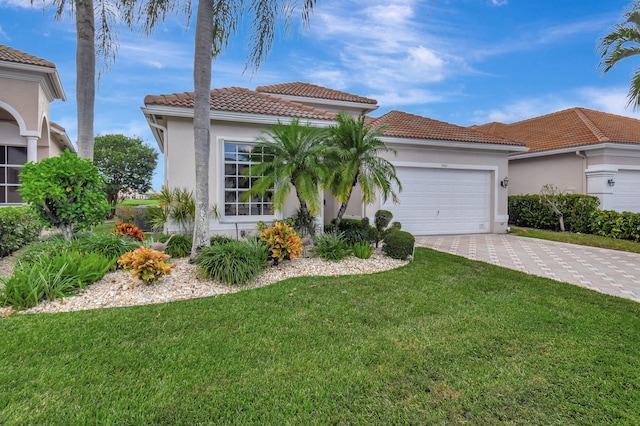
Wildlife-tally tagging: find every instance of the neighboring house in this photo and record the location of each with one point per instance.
(451, 175)
(578, 150)
(28, 85)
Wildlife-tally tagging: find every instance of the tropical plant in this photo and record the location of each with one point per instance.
(126, 164)
(179, 246)
(284, 243)
(622, 43)
(331, 246)
(291, 156)
(128, 230)
(354, 159)
(145, 264)
(177, 205)
(362, 250)
(234, 263)
(18, 227)
(216, 22)
(66, 191)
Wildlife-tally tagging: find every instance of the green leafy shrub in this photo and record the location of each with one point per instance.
(49, 277)
(331, 246)
(234, 263)
(353, 230)
(284, 243)
(18, 227)
(362, 250)
(66, 191)
(145, 264)
(179, 246)
(613, 224)
(396, 225)
(532, 212)
(108, 245)
(398, 244)
(381, 220)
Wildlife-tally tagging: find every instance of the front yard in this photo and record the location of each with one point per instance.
(443, 340)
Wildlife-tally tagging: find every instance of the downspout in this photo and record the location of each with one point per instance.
(584, 171)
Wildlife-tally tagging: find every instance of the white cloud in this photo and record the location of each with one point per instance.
(4, 35)
(499, 2)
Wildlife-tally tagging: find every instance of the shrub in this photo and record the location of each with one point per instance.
(609, 223)
(129, 230)
(234, 263)
(145, 264)
(125, 214)
(398, 244)
(331, 246)
(396, 225)
(382, 219)
(362, 250)
(532, 212)
(18, 227)
(108, 245)
(284, 243)
(67, 192)
(217, 240)
(49, 277)
(179, 246)
(353, 230)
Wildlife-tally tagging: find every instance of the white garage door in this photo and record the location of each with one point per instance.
(626, 192)
(443, 201)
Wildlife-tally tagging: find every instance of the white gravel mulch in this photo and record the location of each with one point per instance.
(119, 289)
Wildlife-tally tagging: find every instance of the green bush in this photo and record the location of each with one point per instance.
(179, 246)
(398, 244)
(353, 230)
(108, 245)
(362, 250)
(234, 263)
(18, 227)
(382, 219)
(609, 223)
(530, 211)
(49, 277)
(217, 240)
(331, 246)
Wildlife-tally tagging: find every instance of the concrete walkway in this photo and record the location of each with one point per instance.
(608, 271)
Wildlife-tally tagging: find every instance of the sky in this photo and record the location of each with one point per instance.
(461, 61)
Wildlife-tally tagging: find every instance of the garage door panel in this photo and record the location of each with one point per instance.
(442, 201)
(626, 193)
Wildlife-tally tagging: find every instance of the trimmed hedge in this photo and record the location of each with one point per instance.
(18, 227)
(610, 223)
(398, 244)
(532, 212)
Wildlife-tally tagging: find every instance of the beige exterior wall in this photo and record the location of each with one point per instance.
(25, 98)
(566, 171)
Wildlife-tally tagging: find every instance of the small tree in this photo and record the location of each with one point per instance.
(549, 194)
(125, 163)
(66, 192)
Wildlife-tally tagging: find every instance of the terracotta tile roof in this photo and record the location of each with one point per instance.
(238, 99)
(308, 90)
(9, 54)
(569, 128)
(404, 125)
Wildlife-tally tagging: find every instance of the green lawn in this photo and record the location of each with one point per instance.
(133, 203)
(580, 239)
(444, 340)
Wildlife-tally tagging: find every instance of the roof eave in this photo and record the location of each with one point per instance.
(568, 150)
(51, 75)
(440, 143)
(322, 101)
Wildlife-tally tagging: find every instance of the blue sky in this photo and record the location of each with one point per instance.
(461, 61)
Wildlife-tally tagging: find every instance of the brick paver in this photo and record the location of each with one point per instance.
(607, 271)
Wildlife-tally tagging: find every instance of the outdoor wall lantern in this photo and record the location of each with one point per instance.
(611, 182)
(504, 182)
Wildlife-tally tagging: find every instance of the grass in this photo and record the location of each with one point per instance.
(580, 239)
(443, 340)
(133, 203)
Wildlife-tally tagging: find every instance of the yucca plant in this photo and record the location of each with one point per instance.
(362, 250)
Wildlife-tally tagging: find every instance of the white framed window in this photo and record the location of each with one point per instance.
(238, 179)
(12, 158)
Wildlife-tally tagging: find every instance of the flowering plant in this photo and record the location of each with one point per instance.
(283, 242)
(145, 264)
(129, 230)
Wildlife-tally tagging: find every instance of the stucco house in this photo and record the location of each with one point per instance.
(579, 150)
(28, 86)
(451, 175)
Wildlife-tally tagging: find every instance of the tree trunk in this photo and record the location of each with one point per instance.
(202, 121)
(67, 231)
(306, 216)
(561, 217)
(85, 76)
(343, 206)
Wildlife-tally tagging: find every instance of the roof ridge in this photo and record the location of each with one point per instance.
(592, 127)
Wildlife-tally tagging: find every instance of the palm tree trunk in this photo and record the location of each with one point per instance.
(202, 121)
(306, 216)
(85, 76)
(343, 206)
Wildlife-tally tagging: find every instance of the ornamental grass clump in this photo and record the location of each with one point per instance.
(284, 243)
(145, 264)
(331, 246)
(125, 229)
(234, 263)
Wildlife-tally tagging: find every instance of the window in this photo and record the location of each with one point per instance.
(12, 158)
(238, 159)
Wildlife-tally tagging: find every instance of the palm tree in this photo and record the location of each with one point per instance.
(354, 156)
(622, 43)
(216, 22)
(292, 155)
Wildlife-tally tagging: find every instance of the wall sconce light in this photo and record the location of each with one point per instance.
(504, 182)
(611, 182)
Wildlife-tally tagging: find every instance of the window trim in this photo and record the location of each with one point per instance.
(4, 186)
(222, 141)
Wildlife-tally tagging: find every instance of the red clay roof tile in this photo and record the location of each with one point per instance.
(308, 90)
(9, 54)
(238, 99)
(404, 125)
(569, 128)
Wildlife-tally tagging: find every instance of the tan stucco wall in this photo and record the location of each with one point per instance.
(25, 98)
(528, 175)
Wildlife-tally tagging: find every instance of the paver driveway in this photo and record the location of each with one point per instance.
(607, 271)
